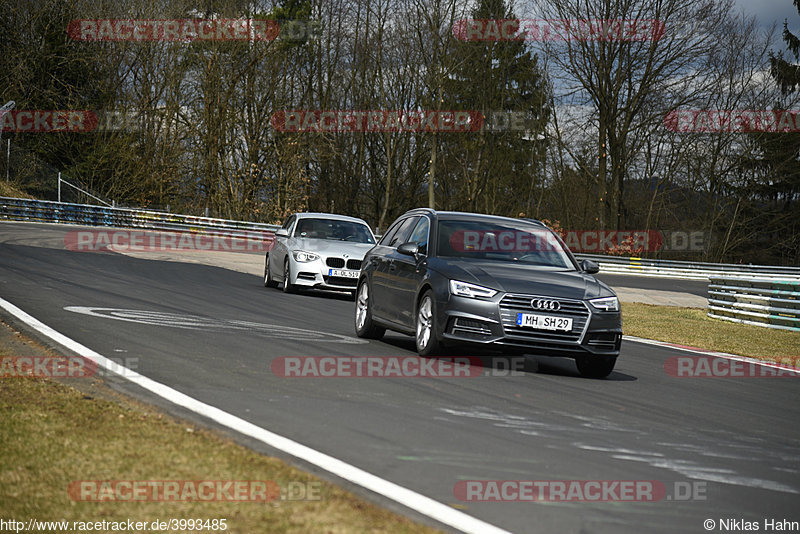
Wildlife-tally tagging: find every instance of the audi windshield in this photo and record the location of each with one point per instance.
(519, 243)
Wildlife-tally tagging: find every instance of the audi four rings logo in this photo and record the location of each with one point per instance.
(542, 304)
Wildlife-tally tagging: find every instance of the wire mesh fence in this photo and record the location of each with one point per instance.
(23, 170)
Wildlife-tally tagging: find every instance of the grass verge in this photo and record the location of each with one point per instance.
(691, 326)
(7, 189)
(54, 434)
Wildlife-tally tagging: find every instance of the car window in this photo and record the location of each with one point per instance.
(334, 230)
(515, 242)
(403, 232)
(389, 234)
(420, 235)
(289, 223)
(305, 228)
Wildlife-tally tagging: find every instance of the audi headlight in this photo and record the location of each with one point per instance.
(463, 289)
(304, 257)
(606, 303)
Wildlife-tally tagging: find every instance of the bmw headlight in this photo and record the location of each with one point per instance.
(463, 289)
(605, 303)
(304, 257)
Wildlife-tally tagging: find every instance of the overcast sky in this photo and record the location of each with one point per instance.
(773, 10)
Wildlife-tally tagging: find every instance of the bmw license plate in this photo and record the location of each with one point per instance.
(343, 274)
(544, 322)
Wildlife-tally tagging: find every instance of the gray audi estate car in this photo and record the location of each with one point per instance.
(463, 279)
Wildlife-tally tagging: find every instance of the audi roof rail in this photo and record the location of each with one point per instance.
(534, 221)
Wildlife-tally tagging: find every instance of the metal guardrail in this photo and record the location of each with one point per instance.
(20, 209)
(770, 303)
(687, 270)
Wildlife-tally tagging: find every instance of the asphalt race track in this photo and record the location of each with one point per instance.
(693, 287)
(212, 333)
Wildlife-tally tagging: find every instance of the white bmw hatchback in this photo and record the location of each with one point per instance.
(318, 251)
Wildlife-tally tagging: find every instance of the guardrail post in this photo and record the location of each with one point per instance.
(5, 108)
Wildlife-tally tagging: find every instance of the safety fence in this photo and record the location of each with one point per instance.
(771, 303)
(686, 270)
(19, 209)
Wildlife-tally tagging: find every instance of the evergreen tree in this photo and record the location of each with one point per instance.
(785, 73)
(497, 168)
(771, 197)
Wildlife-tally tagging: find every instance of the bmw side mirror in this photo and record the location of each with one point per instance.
(281, 232)
(590, 267)
(409, 249)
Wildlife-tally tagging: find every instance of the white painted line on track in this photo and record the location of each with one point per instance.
(406, 497)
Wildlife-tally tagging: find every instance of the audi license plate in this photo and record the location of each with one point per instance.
(544, 322)
(343, 274)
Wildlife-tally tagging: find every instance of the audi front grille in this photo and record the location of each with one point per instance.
(512, 304)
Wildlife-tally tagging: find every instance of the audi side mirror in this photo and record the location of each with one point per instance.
(281, 232)
(409, 249)
(590, 267)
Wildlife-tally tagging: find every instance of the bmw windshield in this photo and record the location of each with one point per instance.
(488, 240)
(335, 230)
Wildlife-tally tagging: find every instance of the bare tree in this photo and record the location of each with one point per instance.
(614, 75)
(433, 22)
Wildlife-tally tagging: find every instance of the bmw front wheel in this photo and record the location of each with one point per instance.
(268, 280)
(288, 287)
